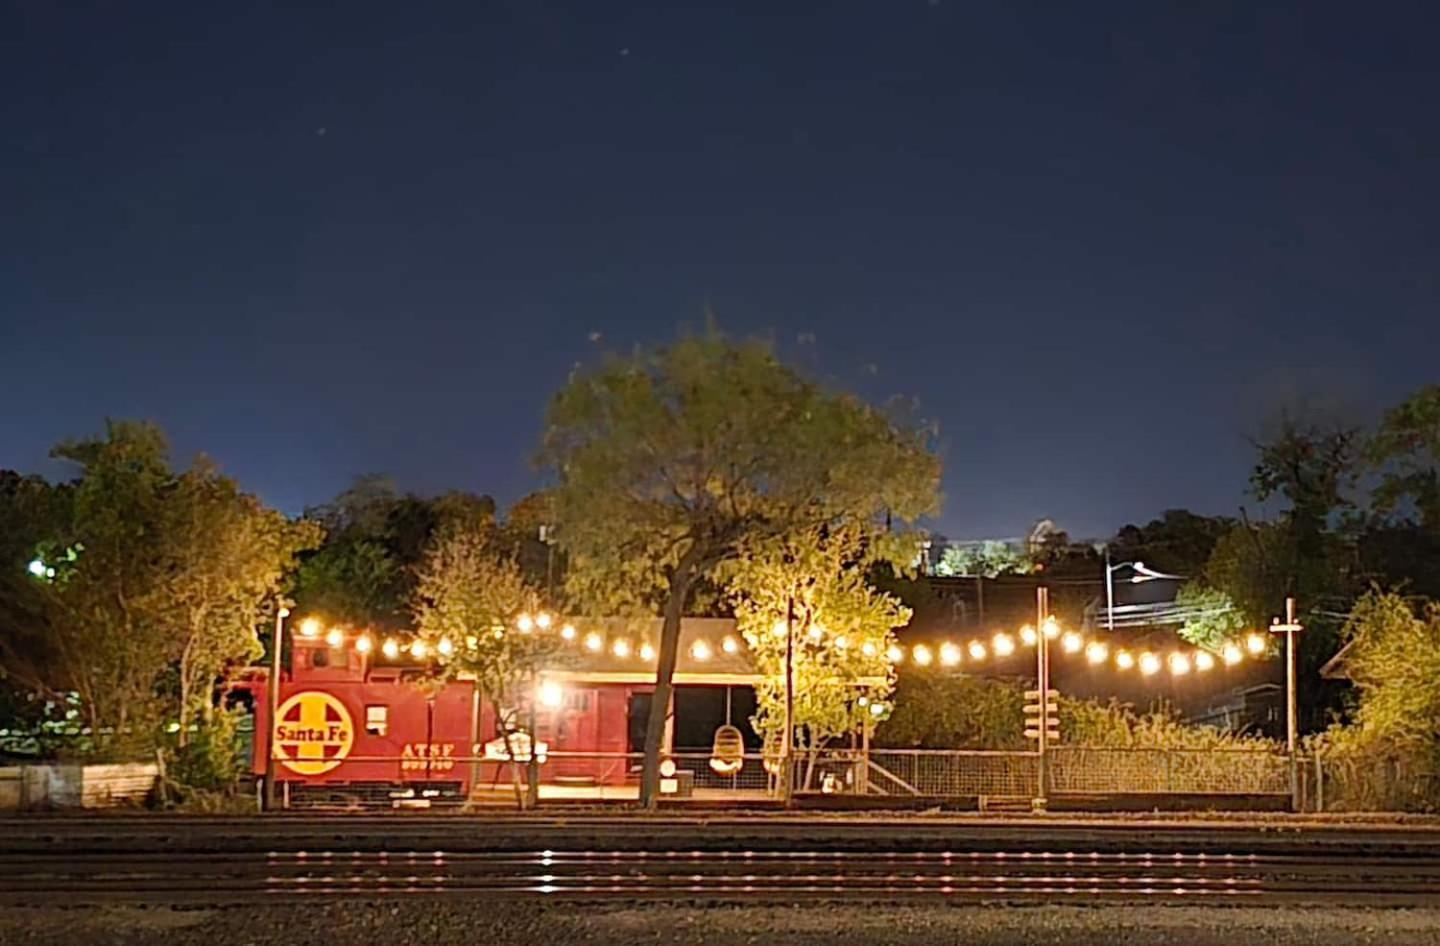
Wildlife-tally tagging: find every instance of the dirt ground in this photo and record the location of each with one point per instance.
(512, 923)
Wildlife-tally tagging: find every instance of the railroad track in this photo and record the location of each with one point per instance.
(160, 876)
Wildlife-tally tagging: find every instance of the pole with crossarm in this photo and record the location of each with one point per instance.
(1290, 628)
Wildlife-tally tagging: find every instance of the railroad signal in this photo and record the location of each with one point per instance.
(1049, 712)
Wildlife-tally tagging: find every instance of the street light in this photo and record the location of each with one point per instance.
(272, 696)
(1142, 575)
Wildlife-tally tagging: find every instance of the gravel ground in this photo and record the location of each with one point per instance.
(511, 923)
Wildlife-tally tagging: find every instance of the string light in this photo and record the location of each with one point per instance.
(445, 647)
(1124, 660)
(780, 629)
(1096, 652)
(525, 623)
(1071, 642)
(816, 632)
(568, 632)
(1051, 627)
(922, 655)
(1028, 636)
(729, 644)
(700, 650)
(621, 648)
(1003, 645)
(977, 650)
(868, 649)
(895, 654)
(647, 652)
(1255, 644)
(949, 654)
(594, 642)
(363, 644)
(542, 620)
(310, 627)
(1149, 664)
(418, 650)
(335, 637)
(390, 649)
(841, 642)
(1204, 660)
(1179, 664)
(1231, 654)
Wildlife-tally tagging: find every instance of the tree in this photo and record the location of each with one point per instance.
(989, 559)
(810, 587)
(1180, 542)
(469, 593)
(226, 556)
(1405, 451)
(1212, 619)
(145, 584)
(375, 537)
(668, 461)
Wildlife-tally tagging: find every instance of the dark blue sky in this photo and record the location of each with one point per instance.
(1100, 243)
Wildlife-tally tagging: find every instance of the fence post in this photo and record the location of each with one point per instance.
(1319, 784)
(1169, 779)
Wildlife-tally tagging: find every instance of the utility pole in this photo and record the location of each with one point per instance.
(272, 700)
(788, 737)
(1290, 628)
(1042, 695)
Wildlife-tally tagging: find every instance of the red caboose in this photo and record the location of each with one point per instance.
(358, 727)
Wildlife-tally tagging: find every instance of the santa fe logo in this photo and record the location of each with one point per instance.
(313, 733)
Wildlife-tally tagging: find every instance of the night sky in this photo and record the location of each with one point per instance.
(1101, 244)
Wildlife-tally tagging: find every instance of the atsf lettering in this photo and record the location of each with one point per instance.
(427, 756)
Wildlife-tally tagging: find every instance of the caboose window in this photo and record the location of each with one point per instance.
(377, 720)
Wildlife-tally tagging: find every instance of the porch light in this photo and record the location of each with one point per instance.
(551, 694)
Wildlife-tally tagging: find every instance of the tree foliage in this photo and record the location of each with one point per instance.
(1180, 542)
(375, 536)
(668, 461)
(148, 584)
(810, 586)
(1213, 619)
(989, 559)
(1405, 452)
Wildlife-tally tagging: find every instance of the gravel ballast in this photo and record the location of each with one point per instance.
(528, 923)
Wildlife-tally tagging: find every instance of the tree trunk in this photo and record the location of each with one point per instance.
(680, 582)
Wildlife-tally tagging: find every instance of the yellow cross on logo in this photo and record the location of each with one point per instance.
(312, 733)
